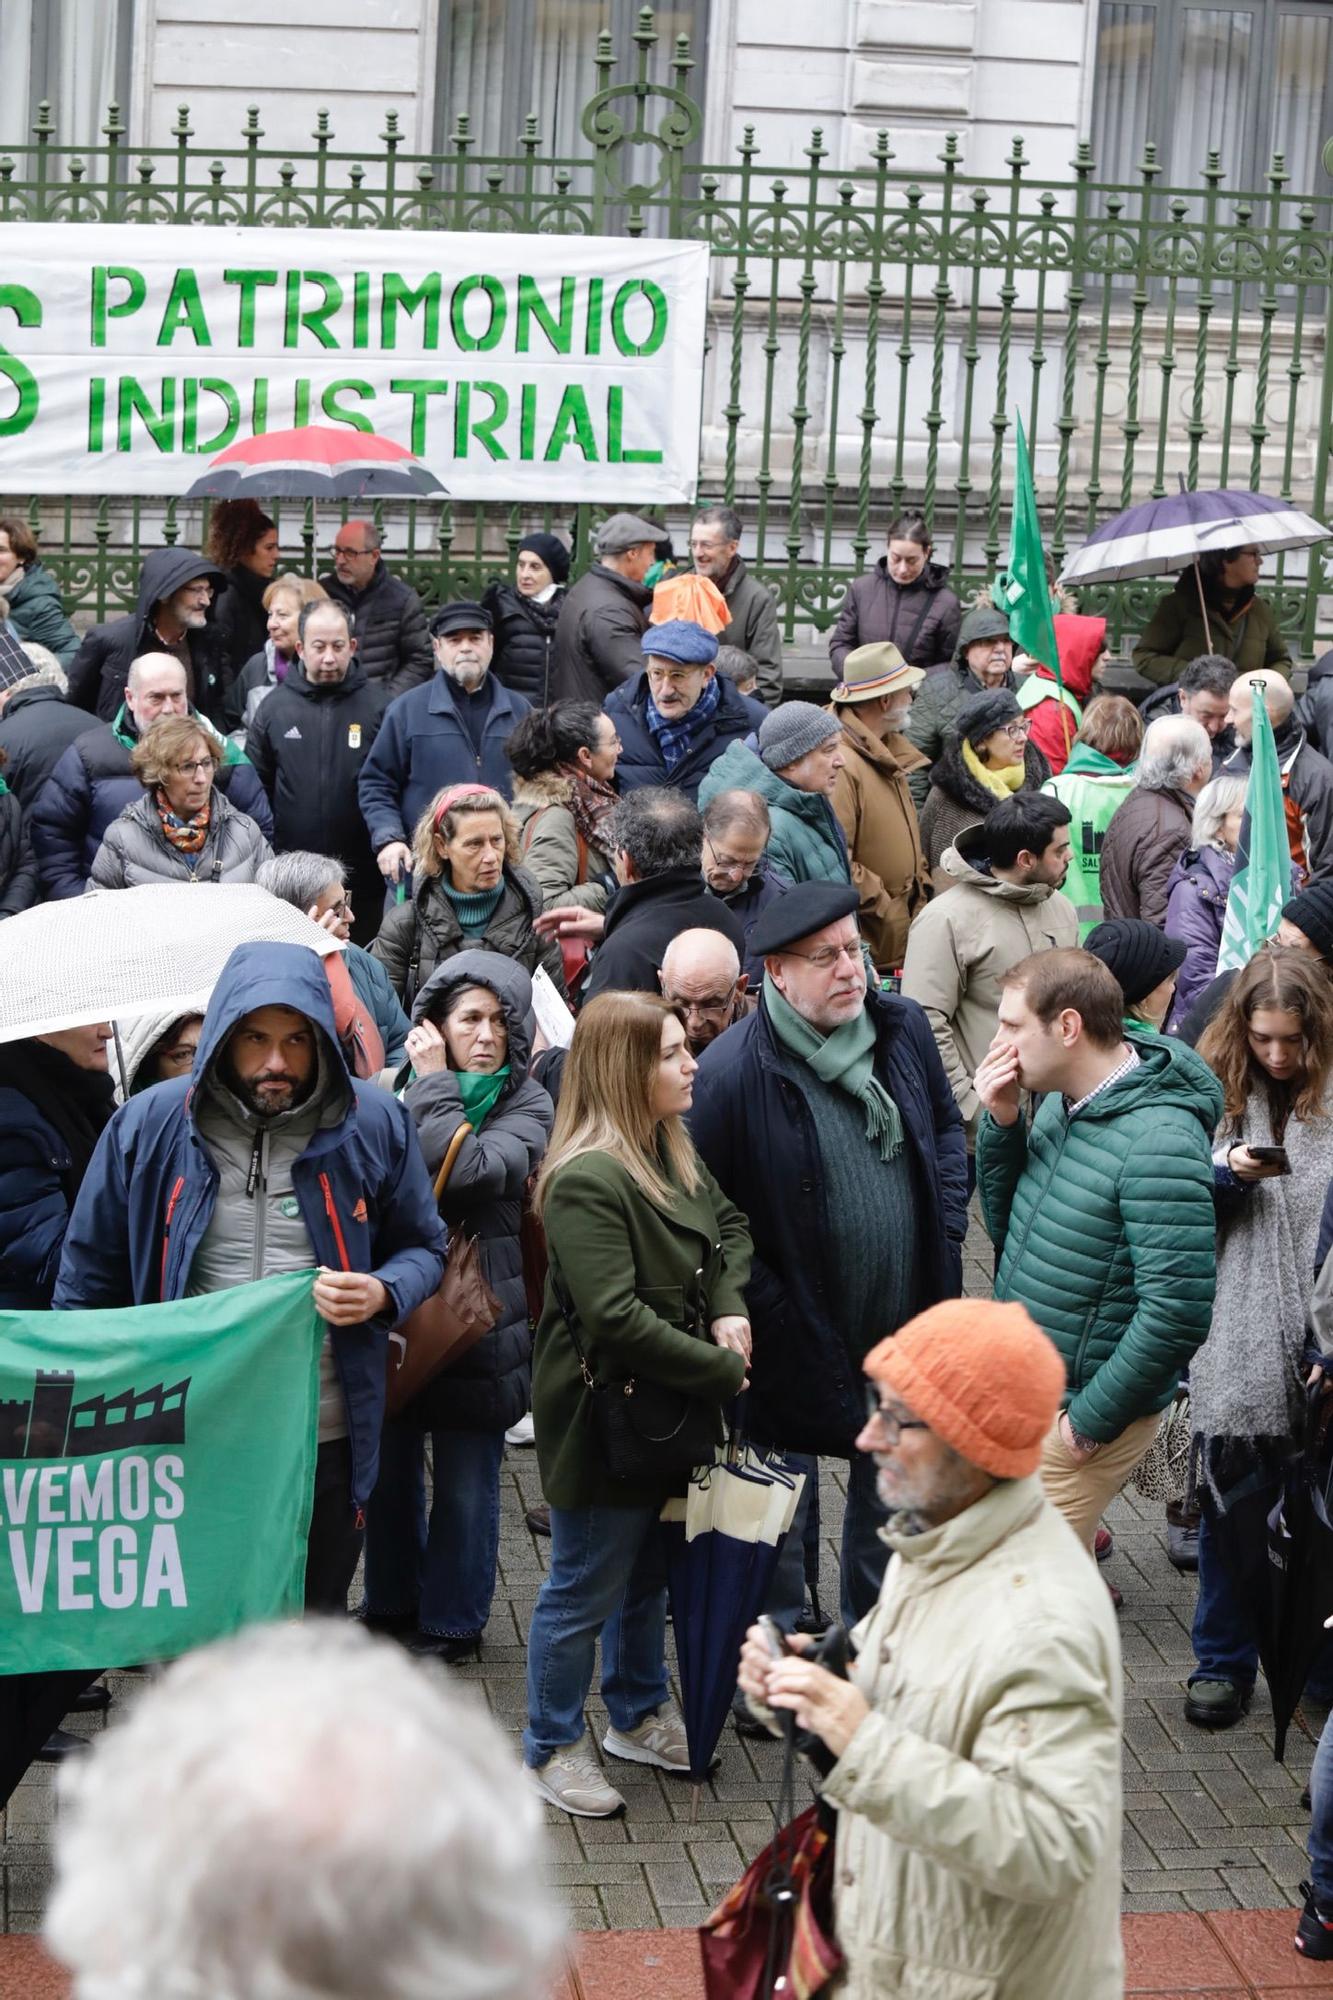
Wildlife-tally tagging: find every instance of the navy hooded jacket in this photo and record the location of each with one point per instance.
(641, 760)
(362, 1186)
(756, 1135)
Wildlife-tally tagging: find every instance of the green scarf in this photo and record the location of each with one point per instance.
(480, 1092)
(844, 1058)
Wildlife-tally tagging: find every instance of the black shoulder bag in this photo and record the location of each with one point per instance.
(644, 1429)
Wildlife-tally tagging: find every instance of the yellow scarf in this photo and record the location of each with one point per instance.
(1004, 782)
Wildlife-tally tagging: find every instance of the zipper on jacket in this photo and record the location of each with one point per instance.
(336, 1226)
(256, 1188)
(166, 1234)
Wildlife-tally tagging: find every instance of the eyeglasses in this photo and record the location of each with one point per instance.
(828, 954)
(342, 908)
(188, 770)
(673, 676)
(348, 549)
(727, 864)
(891, 1425)
(1017, 730)
(712, 1009)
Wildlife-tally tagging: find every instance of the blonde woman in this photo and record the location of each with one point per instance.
(283, 602)
(468, 893)
(648, 1265)
(183, 829)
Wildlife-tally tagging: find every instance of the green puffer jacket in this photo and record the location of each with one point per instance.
(807, 843)
(1104, 1225)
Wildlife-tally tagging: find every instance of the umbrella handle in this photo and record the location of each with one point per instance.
(1203, 607)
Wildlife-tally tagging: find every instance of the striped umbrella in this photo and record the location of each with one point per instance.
(315, 462)
(1173, 532)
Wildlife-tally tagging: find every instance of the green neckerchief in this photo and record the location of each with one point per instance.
(845, 1058)
(480, 1091)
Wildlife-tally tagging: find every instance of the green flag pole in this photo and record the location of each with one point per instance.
(1021, 590)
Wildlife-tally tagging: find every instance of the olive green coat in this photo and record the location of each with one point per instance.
(635, 1273)
(1174, 635)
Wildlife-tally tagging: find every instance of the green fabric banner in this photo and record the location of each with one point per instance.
(1261, 882)
(156, 1473)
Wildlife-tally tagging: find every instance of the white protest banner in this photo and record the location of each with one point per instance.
(516, 367)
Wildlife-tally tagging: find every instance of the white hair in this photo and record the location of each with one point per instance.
(1175, 749)
(47, 670)
(302, 1813)
(693, 951)
(1218, 797)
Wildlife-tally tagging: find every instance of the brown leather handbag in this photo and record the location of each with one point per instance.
(460, 1313)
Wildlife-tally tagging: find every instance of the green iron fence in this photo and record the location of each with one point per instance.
(871, 331)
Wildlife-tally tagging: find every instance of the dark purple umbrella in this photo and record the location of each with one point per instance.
(1171, 533)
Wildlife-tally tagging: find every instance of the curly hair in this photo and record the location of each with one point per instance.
(1284, 980)
(155, 755)
(234, 527)
(443, 823)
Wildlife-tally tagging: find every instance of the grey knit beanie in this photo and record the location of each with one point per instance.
(792, 730)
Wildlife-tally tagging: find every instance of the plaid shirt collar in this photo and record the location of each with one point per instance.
(1126, 1068)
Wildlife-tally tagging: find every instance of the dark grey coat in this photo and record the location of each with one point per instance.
(423, 932)
(135, 851)
(597, 635)
(488, 1389)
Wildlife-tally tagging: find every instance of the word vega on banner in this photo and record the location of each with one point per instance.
(515, 367)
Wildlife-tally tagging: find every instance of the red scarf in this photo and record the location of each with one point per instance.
(592, 802)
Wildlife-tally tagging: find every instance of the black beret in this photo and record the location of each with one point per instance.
(800, 910)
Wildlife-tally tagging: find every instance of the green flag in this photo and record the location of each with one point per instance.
(1261, 883)
(1021, 590)
(156, 1473)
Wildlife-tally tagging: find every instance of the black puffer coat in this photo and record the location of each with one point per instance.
(240, 619)
(18, 870)
(423, 932)
(524, 640)
(392, 642)
(488, 1389)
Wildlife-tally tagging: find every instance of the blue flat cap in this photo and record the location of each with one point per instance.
(682, 642)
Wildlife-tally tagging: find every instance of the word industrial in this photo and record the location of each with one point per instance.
(572, 358)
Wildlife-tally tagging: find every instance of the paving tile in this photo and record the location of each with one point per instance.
(1259, 1944)
(631, 1965)
(1160, 1949)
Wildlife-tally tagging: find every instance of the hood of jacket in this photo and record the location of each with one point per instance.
(503, 977)
(542, 789)
(272, 975)
(166, 571)
(1085, 762)
(965, 862)
(1322, 670)
(983, 622)
(1079, 641)
(36, 581)
(138, 1038)
(933, 576)
(1169, 1073)
(1209, 869)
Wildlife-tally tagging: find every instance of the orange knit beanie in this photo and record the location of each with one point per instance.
(983, 1376)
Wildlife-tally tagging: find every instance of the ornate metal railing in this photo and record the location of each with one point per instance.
(871, 331)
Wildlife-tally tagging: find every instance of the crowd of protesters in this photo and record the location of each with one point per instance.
(832, 969)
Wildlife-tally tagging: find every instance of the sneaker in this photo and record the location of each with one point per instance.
(1216, 1704)
(1314, 1932)
(521, 1433)
(659, 1739)
(1103, 1545)
(572, 1781)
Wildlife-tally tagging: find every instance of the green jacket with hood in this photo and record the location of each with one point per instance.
(806, 844)
(1105, 1230)
(942, 694)
(1092, 786)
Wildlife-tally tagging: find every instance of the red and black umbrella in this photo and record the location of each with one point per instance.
(316, 462)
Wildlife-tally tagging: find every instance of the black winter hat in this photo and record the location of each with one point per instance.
(552, 552)
(982, 714)
(1312, 912)
(800, 910)
(1137, 954)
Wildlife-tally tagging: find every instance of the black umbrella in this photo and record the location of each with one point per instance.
(1299, 1594)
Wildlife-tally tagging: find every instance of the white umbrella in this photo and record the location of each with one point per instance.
(124, 952)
